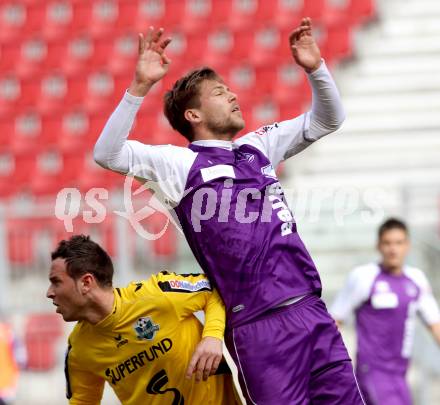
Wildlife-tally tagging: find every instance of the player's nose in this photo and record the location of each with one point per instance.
(232, 96)
(49, 293)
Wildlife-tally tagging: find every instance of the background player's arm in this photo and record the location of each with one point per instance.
(435, 330)
(351, 296)
(113, 151)
(288, 138)
(428, 307)
(83, 387)
(191, 293)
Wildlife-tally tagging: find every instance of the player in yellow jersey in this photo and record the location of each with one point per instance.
(142, 339)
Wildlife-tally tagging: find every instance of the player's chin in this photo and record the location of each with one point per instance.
(239, 123)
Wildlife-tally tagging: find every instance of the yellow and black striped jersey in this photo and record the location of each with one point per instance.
(142, 349)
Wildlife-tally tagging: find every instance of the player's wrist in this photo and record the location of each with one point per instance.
(140, 88)
(313, 68)
(213, 334)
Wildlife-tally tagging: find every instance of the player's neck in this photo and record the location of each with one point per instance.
(392, 270)
(206, 135)
(100, 307)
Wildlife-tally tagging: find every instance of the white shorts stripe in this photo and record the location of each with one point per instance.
(240, 368)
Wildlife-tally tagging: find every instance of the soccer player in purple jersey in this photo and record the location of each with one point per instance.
(385, 298)
(234, 215)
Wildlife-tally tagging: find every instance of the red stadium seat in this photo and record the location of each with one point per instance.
(361, 10)
(287, 13)
(8, 169)
(75, 54)
(198, 15)
(159, 13)
(42, 332)
(25, 131)
(25, 58)
(20, 241)
(54, 171)
(290, 82)
(11, 95)
(104, 19)
(58, 18)
(123, 53)
(269, 43)
(225, 46)
(12, 20)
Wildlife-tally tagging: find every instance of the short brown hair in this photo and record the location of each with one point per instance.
(392, 223)
(185, 94)
(82, 255)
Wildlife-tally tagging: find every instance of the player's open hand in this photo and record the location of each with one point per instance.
(305, 51)
(152, 62)
(206, 359)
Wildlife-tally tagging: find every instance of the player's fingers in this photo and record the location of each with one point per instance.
(200, 367)
(165, 60)
(160, 47)
(192, 365)
(165, 43)
(157, 35)
(149, 37)
(141, 47)
(215, 364)
(306, 22)
(296, 34)
(208, 367)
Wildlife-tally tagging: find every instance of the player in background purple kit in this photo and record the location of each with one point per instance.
(385, 299)
(232, 210)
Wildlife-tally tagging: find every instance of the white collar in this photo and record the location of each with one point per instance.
(215, 143)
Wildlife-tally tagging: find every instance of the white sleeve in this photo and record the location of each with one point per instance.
(427, 306)
(355, 291)
(282, 140)
(167, 165)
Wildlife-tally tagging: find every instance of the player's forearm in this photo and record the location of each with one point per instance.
(435, 330)
(111, 150)
(215, 317)
(327, 113)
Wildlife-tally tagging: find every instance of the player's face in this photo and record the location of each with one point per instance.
(393, 246)
(220, 112)
(64, 291)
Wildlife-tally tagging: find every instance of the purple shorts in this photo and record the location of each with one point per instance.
(293, 355)
(383, 387)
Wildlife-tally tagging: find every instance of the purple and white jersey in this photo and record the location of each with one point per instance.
(229, 202)
(241, 231)
(385, 307)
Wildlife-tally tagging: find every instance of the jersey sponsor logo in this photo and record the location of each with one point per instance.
(145, 328)
(269, 171)
(157, 384)
(275, 201)
(387, 300)
(214, 172)
(139, 360)
(185, 286)
(266, 129)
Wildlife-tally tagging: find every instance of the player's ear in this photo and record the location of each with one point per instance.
(193, 116)
(87, 282)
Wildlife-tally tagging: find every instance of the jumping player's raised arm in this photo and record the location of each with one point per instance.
(165, 164)
(282, 140)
